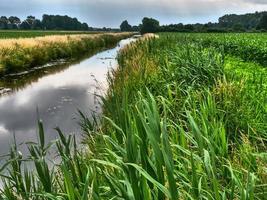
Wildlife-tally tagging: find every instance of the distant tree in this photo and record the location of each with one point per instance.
(125, 26)
(150, 25)
(25, 25)
(31, 21)
(3, 22)
(172, 28)
(238, 27)
(105, 29)
(90, 28)
(263, 23)
(37, 24)
(136, 28)
(189, 27)
(198, 27)
(85, 26)
(58, 22)
(248, 21)
(14, 21)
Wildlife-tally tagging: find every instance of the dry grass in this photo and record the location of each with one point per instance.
(40, 41)
(18, 55)
(150, 35)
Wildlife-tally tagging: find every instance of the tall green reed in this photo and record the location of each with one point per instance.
(189, 136)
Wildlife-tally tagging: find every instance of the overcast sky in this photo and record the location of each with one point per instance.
(110, 13)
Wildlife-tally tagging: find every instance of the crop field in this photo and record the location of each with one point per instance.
(248, 46)
(4, 34)
(185, 117)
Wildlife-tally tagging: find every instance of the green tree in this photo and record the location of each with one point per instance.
(25, 25)
(125, 26)
(149, 25)
(31, 20)
(136, 28)
(85, 26)
(57, 22)
(263, 23)
(37, 24)
(238, 27)
(3, 22)
(14, 21)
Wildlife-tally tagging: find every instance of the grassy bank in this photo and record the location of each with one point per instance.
(7, 34)
(200, 131)
(18, 55)
(182, 121)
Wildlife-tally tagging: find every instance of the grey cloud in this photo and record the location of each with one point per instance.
(256, 1)
(110, 13)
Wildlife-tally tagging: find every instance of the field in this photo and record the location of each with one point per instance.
(249, 47)
(5, 34)
(185, 117)
(21, 54)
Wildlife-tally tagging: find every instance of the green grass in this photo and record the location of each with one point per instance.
(221, 114)
(248, 46)
(181, 121)
(7, 34)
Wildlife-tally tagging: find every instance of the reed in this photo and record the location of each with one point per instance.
(198, 132)
(25, 53)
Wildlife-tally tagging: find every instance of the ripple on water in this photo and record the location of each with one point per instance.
(58, 95)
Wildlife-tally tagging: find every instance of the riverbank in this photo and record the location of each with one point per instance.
(182, 121)
(18, 55)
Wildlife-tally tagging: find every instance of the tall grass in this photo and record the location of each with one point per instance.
(222, 114)
(4, 34)
(198, 132)
(25, 53)
(248, 46)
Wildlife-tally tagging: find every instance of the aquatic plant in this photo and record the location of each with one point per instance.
(181, 121)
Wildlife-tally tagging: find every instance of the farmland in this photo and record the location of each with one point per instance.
(7, 34)
(184, 118)
(249, 47)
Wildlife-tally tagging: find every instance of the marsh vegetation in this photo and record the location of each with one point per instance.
(21, 54)
(184, 118)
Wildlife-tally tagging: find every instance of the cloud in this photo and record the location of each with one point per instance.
(3, 130)
(110, 13)
(256, 1)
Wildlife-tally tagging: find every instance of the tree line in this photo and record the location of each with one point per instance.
(48, 22)
(253, 22)
(228, 23)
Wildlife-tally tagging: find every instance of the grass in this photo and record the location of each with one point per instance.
(19, 55)
(248, 46)
(7, 34)
(198, 132)
(221, 116)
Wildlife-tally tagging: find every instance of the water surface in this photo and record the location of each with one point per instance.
(57, 96)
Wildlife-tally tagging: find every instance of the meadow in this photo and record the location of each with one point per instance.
(7, 34)
(248, 46)
(185, 117)
(22, 54)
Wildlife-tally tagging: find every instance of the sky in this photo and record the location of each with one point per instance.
(110, 13)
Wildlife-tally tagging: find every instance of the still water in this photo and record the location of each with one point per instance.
(57, 95)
